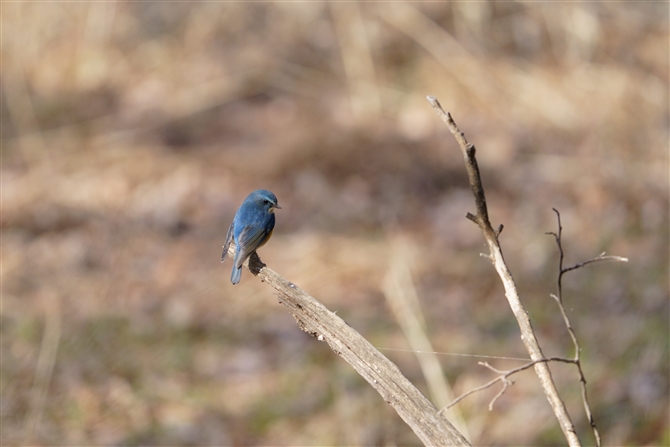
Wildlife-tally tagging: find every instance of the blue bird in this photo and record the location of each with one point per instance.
(251, 228)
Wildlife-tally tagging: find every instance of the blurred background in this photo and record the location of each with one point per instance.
(132, 131)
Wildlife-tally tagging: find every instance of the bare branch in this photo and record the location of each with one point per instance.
(468, 149)
(598, 258)
(472, 391)
(506, 384)
(502, 377)
(527, 334)
(559, 301)
(384, 376)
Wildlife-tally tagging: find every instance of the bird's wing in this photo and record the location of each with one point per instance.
(229, 239)
(248, 241)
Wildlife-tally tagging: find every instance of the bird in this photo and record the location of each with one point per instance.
(252, 227)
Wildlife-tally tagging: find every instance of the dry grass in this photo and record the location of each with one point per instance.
(132, 131)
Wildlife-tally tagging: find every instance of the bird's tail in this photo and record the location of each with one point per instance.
(236, 275)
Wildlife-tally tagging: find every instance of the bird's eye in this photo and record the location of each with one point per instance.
(266, 201)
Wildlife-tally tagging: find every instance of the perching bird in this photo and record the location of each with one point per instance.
(251, 228)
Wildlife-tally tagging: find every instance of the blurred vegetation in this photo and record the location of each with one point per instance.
(132, 131)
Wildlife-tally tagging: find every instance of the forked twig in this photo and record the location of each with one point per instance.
(559, 300)
(503, 375)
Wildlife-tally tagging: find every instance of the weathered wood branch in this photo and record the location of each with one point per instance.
(432, 428)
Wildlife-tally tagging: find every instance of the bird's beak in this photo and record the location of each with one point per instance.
(277, 206)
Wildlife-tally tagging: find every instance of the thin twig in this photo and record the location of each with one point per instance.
(600, 257)
(559, 301)
(506, 384)
(503, 375)
(496, 257)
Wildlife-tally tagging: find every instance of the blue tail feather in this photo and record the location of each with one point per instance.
(236, 275)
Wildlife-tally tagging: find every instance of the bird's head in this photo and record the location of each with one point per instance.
(265, 199)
